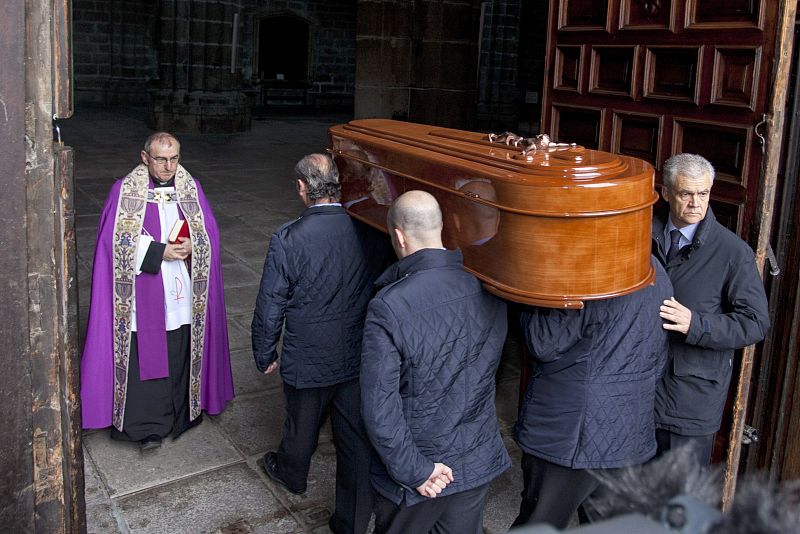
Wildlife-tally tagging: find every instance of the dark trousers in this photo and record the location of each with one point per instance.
(459, 513)
(306, 410)
(552, 493)
(159, 406)
(701, 445)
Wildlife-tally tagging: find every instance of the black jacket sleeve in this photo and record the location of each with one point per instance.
(382, 405)
(745, 324)
(551, 333)
(273, 295)
(153, 257)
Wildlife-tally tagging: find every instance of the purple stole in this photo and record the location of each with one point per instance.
(132, 213)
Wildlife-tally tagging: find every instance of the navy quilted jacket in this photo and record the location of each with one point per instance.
(590, 403)
(318, 279)
(432, 344)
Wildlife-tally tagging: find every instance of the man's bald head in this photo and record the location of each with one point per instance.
(417, 215)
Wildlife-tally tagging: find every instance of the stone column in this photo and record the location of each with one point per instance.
(197, 91)
(417, 60)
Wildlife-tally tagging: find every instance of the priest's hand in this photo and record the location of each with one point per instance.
(178, 251)
(679, 315)
(271, 367)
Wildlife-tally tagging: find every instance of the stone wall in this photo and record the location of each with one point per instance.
(198, 91)
(119, 47)
(332, 51)
(417, 60)
(115, 57)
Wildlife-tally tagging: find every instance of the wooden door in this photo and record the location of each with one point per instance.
(652, 78)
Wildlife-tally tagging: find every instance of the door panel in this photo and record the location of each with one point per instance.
(650, 79)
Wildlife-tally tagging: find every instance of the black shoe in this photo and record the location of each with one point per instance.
(334, 526)
(152, 441)
(269, 463)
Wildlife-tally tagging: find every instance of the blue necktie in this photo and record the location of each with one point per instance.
(674, 245)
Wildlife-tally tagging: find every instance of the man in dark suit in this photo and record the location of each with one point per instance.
(589, 403)
(318, 279)
(432, 345)
(719, 305)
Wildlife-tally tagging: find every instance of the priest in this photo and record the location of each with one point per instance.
(156, 352)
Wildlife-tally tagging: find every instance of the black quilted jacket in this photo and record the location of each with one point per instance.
(318, 279)
(590, 403)
(432, 344)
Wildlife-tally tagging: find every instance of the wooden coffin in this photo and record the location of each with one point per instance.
(552, 227)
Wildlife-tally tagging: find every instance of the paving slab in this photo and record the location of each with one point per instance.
(240, 300)
(502, 504)
(100, 510)
(238, 336)
(125, 469)
(506, 403)
(279, 212)
(86, 204)
(85, 247)
(231, 499)
(316, 505)
(240, 275)
(228, 258)
(94, 490)
(246, 377)
(87, 221)
(245, 320)
(250, 252)
(100, 519)
(254, 423)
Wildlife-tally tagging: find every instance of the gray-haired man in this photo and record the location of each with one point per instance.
(719, 306)
(318, 279)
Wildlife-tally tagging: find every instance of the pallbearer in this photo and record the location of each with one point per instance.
(589, 404)
(432, 345)
(317, 282)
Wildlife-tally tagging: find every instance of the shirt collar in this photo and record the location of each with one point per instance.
(168, 183)
(687, 231)
(427, 258)
(325, 205)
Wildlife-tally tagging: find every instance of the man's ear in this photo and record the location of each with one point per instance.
(399, 237)
(664, 193)
(144, 157)
(302, 191)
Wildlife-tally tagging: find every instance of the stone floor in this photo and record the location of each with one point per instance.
(208, 480)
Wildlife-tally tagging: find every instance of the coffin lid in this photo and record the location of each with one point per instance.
(571, 163)
(563, 182)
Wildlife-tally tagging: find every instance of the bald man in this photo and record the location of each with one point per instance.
(431, 347)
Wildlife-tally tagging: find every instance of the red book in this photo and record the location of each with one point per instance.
(180, 229)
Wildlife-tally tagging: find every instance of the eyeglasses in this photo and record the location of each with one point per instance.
(163, 161)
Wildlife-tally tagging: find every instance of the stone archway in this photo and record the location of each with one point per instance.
(282, 55)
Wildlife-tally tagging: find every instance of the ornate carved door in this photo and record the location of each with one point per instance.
(651, 78)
